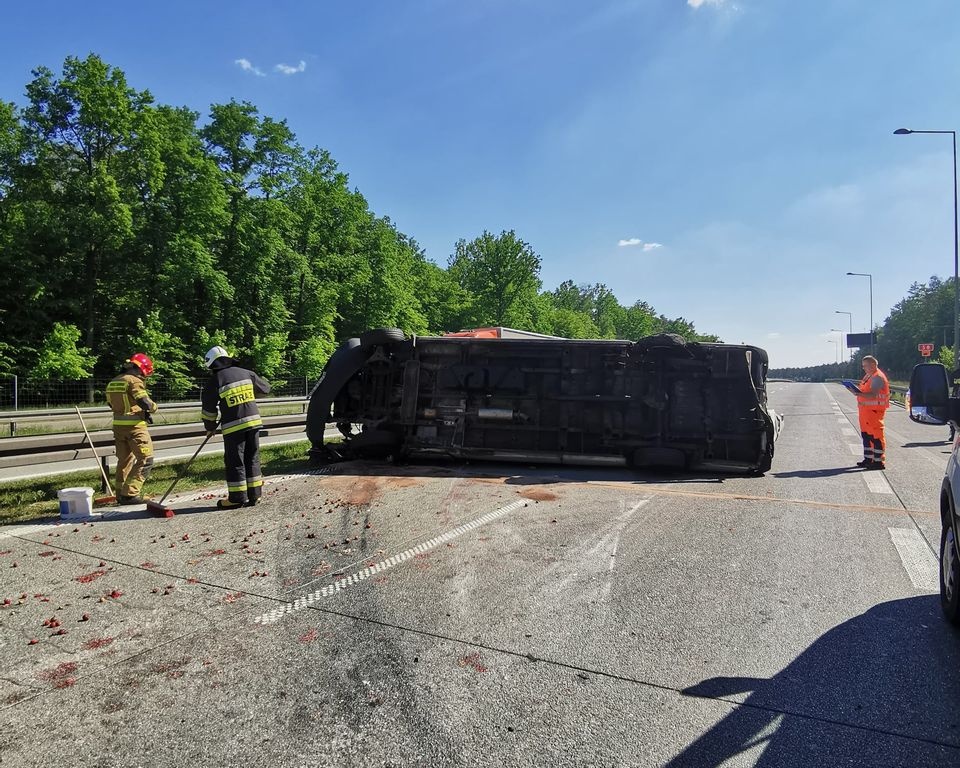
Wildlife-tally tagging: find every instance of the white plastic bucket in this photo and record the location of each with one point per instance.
(75, 502)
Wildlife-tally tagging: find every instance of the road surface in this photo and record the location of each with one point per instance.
(478, 615)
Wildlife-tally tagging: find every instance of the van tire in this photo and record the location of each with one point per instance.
(340, 368)
(378, 336)
(949, 571)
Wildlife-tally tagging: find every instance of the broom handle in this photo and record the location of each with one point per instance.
(186, 466)
(92, 448)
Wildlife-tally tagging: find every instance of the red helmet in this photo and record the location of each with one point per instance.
(144, 363)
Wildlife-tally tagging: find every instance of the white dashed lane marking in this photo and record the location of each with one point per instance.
(918, 561)
(876, 482)
(271, 617)
(848, 431)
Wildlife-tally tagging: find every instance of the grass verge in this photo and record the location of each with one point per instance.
(26, 500)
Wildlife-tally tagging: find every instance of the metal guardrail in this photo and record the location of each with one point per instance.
(10, 420)
(42, 449)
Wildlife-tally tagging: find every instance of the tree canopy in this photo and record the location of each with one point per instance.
(127, 225)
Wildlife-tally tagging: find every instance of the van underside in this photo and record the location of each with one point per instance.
(658, 402)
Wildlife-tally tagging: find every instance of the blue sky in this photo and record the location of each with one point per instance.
(725, 161)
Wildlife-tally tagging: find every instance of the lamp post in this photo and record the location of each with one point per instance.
(944, 329)
(840, 337)
(864, 274)
(848, 314)
(850, 319)
(836, 348)
(956, 246)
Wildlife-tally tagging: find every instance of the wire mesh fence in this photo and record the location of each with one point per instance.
(20, 394)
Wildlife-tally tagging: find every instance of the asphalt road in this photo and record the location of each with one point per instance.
(483, 615)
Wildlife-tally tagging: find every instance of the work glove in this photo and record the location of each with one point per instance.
(148, 417)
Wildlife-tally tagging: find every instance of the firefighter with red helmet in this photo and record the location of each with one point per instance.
(132, 409)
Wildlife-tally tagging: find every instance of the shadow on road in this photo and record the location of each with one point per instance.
(878, 690)
(527, 474)
(935, 443)
(831, 472)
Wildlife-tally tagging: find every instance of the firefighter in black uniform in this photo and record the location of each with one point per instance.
(232, 391)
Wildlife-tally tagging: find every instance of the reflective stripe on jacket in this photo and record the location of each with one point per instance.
(125, 393)
(870, 399)
(232, 391)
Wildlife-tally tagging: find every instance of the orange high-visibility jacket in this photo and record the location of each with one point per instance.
(868, 397)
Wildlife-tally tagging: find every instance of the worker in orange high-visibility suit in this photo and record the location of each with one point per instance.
(872, 404)
(132, 409)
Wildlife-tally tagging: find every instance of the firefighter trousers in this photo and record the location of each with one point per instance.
(241, 459)
(871, 430)
(134, 459)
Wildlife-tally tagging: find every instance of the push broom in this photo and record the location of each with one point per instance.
(106, 480)
(156, 507)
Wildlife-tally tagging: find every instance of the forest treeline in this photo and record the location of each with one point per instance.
(130, 225)
(924, 316)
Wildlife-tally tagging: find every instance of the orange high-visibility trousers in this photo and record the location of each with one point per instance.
(871, 430)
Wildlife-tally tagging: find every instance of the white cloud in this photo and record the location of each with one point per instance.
(773, 335)
(699, 3)
(633, 241)
(286, 69)
(246, 66)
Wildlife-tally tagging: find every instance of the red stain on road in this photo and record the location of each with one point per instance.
(97, 642)
(60, 676)
(538, 494)
(472, 660)
(308, 637)
(48, 553)
(233, 597)
(88, 577)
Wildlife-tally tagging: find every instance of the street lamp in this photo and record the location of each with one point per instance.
(839, 344)
(836, 348)
(864, 274)
(849, 317)
(956, 247)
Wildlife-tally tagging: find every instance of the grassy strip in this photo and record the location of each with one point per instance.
(25, 500)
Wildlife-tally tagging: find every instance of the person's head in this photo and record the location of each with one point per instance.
(139, 365)
(214, 354)
(869, 364)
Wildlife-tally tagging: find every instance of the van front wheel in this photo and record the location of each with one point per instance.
(949, 573)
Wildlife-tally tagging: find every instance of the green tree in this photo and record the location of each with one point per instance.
(61, 358)
(167, 351)
(502, 274)
(78, 127)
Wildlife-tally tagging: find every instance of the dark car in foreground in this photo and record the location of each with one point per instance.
(929, 402)
(657, 402)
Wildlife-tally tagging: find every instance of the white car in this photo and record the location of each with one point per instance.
(930, 403)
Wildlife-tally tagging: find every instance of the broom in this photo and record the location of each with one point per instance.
(156, 507)
(106, 480)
